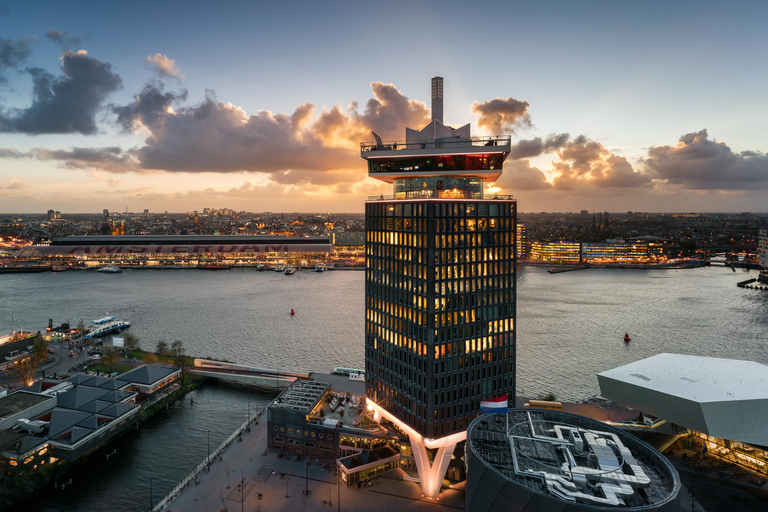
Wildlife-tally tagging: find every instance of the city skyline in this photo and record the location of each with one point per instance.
(257, 107)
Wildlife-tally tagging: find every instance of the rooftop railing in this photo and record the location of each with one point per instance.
(447, 143)
(450, 195)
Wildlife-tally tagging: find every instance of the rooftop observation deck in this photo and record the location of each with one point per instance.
(446, 194)
(443, 146)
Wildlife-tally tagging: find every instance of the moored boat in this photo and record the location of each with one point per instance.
(110, 269)
(280, 267)
(214, 266)
(108, 327)
(289, 270)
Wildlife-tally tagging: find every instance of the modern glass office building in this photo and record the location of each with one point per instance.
(440, 287)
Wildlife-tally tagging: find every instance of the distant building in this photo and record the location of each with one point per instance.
(641, 247)
(521, 241)
(555, 251)
(348, 239)
(178, 249)
(611, 250)
(763, 248)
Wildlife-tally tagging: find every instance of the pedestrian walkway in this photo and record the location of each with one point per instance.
(279, 484)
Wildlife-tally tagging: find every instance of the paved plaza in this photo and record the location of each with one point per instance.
(282, 482)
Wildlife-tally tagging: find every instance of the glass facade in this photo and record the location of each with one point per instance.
(422, 164)
(438, 187)
(440, 309)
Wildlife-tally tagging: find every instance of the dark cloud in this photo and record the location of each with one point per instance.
(697, 162)
(61, 37)
(535, 147)
(148, 107)
(68, 103)
(501, 115)
(297, 148)
(12, 55)
(219, 137)
(110, 159)
(12, 153)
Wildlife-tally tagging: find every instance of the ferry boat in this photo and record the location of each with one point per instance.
(111, 269)
(60, 268)
(107, 328)
(319, 266)
(289, 270)
(214, 266)
(280, 267)
(260, 267)
(103, 320)
(339, 370)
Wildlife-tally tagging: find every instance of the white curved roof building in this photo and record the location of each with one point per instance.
(723, 398)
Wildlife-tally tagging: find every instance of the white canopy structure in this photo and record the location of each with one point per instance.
(723, 398)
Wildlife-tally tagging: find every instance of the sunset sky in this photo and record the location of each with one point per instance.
(261, 106)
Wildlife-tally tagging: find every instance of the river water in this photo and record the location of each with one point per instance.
(570, 327)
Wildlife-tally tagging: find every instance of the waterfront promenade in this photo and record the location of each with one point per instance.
(262, 475)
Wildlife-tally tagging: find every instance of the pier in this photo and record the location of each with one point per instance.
(261, 376)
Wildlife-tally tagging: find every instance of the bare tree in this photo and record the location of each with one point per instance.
(132, 342)
(81, 328)
(228, 471)
(25, 368)
(162, 348)
(223, 498)
(180, 359)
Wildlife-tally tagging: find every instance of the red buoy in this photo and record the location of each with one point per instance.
(626, 336)
(293, 312)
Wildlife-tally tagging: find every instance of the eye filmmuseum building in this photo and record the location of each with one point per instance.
(440, 286)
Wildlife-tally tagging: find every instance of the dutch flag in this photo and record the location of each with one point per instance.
(498, 404)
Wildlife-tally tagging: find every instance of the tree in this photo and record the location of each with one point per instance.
(180, 359)
(109, 357)
(81, 328)
(149, 358)
(162, 348)
(39, 350)
(548, 397)
(132, 342)
(25, 368)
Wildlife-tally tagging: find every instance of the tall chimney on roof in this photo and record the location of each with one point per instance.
(437, 99)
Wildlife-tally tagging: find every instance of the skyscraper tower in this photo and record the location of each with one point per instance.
(440, 286)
